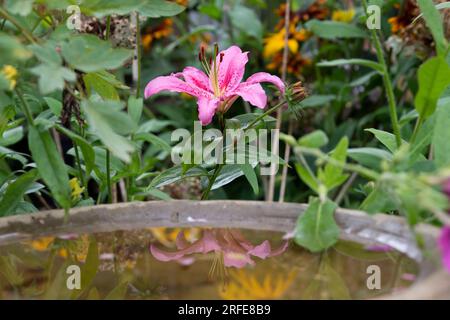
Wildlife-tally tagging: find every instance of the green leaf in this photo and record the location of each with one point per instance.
(369, 157)
(315, 139)
(434, 77)
(441, 136)
(20, 7)
(246, 20)
(435, 24)
(317, 100)
(228, 174)
(160, 8)
(250, 174)
(176, 174)
(343, 62)
(153, 140)
(54, 105)
(94, 82)
(334, 29)
(15, 191)
(386, 138)
(307, 177)
(135, 107)
(316, 229)
(12, 50)
(333, 176)
(108, 123)
(50, 165)
(52, 77)
(88, 53)
(85, 147)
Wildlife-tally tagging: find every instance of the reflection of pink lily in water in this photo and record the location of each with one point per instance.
(230, 247)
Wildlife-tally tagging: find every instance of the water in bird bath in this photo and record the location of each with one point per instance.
(121, 265)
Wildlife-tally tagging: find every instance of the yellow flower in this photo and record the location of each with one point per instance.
(42, 244)
(343, 15)
(275, 43)
(246, 286)
(167, 236)
(10, 73)
(77, 190)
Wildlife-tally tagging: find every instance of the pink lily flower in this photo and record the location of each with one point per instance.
(230, 246)
(218, 88)
(444, 245)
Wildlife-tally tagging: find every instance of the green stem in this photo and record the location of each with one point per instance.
(25, 108)
(13, 20)
(138, 56)
(387, 84)
(346, 166)
(263, 115)
(108, 27)
(213, 179)
(108, 175)
(417, 127)
(219, 167)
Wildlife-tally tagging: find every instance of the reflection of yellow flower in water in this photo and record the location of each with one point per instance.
(343, 15)
(77, 248)
(77, 190)
(246, 286)
(167, 236)
(10, 73)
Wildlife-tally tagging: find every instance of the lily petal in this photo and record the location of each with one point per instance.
(206, 109)
(232, 67)
(253, 94)
(174, 84)
(206, 244)
(197, 77)
(237, 260)
(261, 251)
(265, 77)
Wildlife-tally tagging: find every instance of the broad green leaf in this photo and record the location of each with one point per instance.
(160, 8)
(12, 50)
(52, 77)
(88, 53)
(317, 100)
(50, 165)
(156, 193)
(435, 24)
(108, 123)
(316, 229)
(441, 136)
(434, 77)
(335, 30)
(103, 88)
(246, 21)
(20, 7)
(369, 157)
(315, 139)
(343, 62)
(135, 107)
(250, 174)
(15, 191)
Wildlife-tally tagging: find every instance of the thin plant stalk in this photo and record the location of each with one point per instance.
(271, 190)
(26, 33)
(387, 83)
